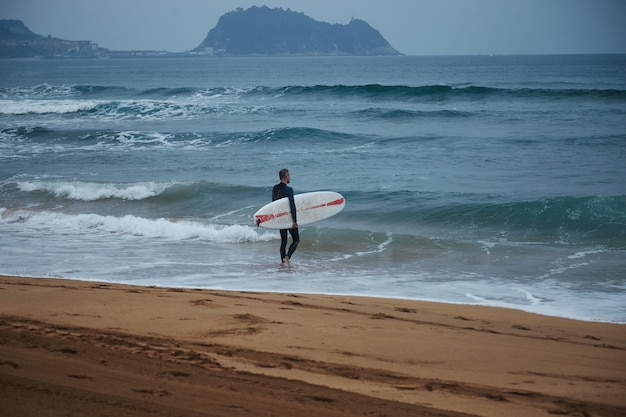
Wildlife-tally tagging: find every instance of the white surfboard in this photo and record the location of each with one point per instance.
(310, 208)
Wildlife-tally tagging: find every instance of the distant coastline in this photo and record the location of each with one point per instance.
(257, 31)
(17, 41)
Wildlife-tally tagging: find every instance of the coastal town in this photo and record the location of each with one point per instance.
(17, 41)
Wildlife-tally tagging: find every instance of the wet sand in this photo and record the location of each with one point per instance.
(75, 348)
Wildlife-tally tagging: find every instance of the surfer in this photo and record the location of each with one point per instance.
(279, 191)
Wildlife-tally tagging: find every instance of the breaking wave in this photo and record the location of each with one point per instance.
(173, 229)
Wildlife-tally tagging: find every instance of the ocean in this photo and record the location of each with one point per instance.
(486, 180)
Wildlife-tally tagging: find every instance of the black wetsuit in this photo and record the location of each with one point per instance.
(279, 191)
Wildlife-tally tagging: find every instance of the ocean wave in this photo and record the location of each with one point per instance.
(37, 139)
(129, 225)
(38, 91)
(24, 132)
(163, 193)
(42, 139)
(165, 92)
(93, 191)
(150, 109)
(86, 91)
(402, 114)
(102, 109)
(601, 216)
(18, 107)
(365, 91)
(115, 104)
(590, 220)
(217, 140)
(49, 91)
(128, 109)
(436, 92)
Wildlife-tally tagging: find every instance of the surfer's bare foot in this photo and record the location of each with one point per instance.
(286, 260)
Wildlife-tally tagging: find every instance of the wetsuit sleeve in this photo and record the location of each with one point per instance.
(292, 203)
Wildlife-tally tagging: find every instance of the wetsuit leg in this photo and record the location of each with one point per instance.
(283, 244)
(295, 236)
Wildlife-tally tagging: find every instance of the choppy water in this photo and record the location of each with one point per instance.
(486, 180)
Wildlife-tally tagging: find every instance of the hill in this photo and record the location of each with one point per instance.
(265, 31)
(15, 30)
(18, 41)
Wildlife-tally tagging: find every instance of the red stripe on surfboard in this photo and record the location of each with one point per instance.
(332, 203)
(262, 218)
(336, 202)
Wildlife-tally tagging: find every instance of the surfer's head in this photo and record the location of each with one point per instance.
(284, 175)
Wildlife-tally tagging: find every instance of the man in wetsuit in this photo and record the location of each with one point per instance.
(279, 191)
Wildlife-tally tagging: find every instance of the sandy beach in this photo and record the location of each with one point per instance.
(76, 348)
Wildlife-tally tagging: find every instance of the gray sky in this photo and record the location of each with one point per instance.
(414, 27)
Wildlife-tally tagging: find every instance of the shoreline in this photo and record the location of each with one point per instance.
(332, 294)
(70, 345)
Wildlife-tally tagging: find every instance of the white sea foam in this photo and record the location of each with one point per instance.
(379, 248)
(41, 90)
(137, 139)
(130, 109)
(128, 225)
(92, 191)
(487, 246)
(583, 254)
(572, 262)
(16, 107)
(533, 300)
